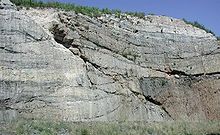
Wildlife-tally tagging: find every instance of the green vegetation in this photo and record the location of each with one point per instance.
(41, 127)
(90, 11)
(198, 25)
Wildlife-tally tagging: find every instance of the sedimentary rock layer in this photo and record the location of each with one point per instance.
(67, 66)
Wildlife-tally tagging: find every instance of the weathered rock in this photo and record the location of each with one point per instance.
(187, 98)
(106, 69)
(42, 79)
(6, 4)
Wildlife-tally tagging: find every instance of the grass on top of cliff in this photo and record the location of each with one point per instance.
(42, 127)
(90, 11)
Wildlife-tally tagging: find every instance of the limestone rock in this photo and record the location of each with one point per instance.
(80, 68)
(6, 4)
(42, 79)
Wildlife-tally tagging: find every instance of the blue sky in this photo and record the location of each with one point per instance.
(207, 12)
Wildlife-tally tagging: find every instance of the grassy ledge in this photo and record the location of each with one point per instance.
(90, 11)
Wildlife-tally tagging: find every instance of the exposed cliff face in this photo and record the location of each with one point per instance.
(66, 66)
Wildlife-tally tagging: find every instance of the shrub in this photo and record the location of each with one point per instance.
(198, 25)
(116, 12)
(106, 11)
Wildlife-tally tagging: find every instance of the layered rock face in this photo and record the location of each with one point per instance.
(67, 66)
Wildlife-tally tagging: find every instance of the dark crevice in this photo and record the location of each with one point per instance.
(66, 43)
(87, 60)
(207, 74)
(181, 73)
(150, 99)
(172, 72)
(164, 109)
(176, 72)
(135, 31)
(9, 50)
(59, 41)
(59, 35)
(90, 81)
(109, 92)
(28, 35)
(5, 103)
(36, 39)
(31, 99)
(213, 52)
(7, 108)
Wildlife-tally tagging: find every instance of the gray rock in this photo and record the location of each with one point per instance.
(38, 76)
(6, 4)
(106, 68)
(153, 86)
(149, 58)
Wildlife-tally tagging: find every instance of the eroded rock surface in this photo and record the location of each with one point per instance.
(6, 4)
(66, 66)
(42, 79)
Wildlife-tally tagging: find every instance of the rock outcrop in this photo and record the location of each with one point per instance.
(67, 66)
(6, 4)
